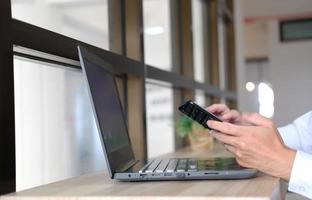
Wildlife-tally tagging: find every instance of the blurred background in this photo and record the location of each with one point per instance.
(268, 41)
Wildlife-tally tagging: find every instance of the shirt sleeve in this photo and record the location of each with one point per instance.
(298, 135)
(301, 175)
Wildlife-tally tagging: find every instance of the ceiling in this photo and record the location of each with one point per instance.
(284, 8)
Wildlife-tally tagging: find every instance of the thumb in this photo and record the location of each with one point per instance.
(256, 119)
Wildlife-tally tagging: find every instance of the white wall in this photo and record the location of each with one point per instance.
(261, 8)
(291, 76)
(289, 63)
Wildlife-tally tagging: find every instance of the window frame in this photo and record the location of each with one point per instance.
(125, 24)
(7, 120)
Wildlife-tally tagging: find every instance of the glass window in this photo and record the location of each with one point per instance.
(160, 119)
(200, 98)
(198, 40)
(56, 135)
(157, 38)
(223, 57)
(159, 96)
(296, 29)
(223, 54)
(83, 20)
(259, 95)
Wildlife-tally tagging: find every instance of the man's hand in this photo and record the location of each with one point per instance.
(257, 145)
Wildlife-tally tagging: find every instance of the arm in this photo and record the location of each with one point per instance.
(298, 135)
(301, 175)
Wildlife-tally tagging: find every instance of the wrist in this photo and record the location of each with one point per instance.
(287, 160)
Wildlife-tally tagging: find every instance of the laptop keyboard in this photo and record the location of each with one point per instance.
(170, 165)
(188, 165)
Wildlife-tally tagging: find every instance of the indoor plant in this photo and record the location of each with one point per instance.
(198, 135)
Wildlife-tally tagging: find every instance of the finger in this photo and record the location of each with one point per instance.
(233, 115)
(256, 119)
(230, 148)
(217, 108)
(225, 127)
(226, 139)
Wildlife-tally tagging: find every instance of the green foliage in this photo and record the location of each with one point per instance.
(184, 126)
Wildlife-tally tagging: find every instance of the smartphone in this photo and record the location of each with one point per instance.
(197, 113)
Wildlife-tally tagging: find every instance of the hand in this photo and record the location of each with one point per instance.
(258, 145)
(224, 113)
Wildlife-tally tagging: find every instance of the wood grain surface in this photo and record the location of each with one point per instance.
(100, 186)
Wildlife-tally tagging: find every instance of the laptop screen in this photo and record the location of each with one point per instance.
(108, 111)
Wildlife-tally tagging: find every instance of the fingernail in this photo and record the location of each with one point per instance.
(209, 122)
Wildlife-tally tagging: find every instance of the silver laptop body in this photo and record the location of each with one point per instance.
(116, 143)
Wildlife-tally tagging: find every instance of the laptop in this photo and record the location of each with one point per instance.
(116, 144)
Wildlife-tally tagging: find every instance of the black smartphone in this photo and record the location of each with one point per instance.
(198, 113)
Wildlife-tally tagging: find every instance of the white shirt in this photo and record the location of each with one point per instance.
(298, 136)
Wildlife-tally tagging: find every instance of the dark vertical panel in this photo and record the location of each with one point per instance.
(116, 27)
(231, 69)
(7, 129)
(214, 61)
(207, 45)
(186, 38)
(133, 28)
(136, 85)
(176, 62)
(231, 55)
(207, 40)
(231, 50)
(186, 43)
(182, 37)
(117, 43)
(182, 51)
(175, 36)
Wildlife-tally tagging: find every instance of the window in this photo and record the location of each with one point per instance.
(159, 95)
(52, 109)
(160, 119)
(83, 20)
(56, 135)
(296, 30)
(157, 39)
(266, 100)
(200, 98)
(226, 38)
(199, 39)
(223, 57)
(260, 94)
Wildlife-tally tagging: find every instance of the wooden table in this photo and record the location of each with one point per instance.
(100, 186)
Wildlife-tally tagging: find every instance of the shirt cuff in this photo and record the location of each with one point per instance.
(290, 136)
(301, 175)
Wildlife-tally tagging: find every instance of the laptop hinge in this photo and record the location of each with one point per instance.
(127, 166)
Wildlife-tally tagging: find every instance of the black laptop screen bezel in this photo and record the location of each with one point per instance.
(118, 159)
